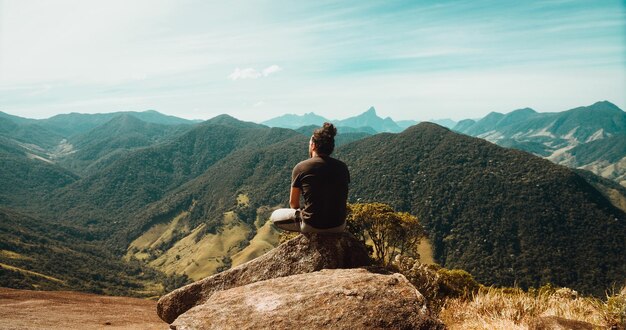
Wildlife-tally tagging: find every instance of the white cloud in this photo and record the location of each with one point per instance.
(259, 104)
(271, 69)
(252, 73)
(247, 73)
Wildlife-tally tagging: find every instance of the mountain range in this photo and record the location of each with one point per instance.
(185, 200)
(366, 122)
(591, 138)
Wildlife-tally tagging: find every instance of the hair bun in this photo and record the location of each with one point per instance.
(324, 138)
(329, 129)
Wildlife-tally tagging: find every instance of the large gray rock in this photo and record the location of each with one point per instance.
(328, 299)
(303, 254)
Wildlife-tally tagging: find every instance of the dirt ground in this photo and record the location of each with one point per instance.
(24, 309)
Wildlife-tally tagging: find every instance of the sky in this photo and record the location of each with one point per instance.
(256, 60)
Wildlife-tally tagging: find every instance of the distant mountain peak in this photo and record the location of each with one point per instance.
(223, 119)
(369, 115)
(603, 105)
(294, 121)
(524, 110)
(494, 114)
(369, 118)
(228, 120)
(425, 125)
(605, 102)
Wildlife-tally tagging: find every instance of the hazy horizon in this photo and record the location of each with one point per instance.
(378, 113)
(261, 59)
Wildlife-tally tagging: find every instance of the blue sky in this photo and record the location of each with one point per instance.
(259, 59)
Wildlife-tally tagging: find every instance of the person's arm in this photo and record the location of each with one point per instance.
(294, 198)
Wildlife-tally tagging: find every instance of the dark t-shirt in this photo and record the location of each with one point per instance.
(324, 182)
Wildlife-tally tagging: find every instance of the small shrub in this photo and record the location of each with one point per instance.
(457, 283)
(614, 310)
(437, 284)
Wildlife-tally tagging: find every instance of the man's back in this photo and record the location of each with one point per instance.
(324, 184)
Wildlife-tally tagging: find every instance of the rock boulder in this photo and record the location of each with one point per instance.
(328, 299)
(303, 254)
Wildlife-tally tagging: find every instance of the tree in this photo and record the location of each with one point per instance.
(391, 233)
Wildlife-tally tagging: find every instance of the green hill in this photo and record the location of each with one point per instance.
(612, 149)
(31, 136)
(36, 254)
(585, 137)
(77, 123)
(26, 183)
(106, 199)
(107, 142)
(492, 211)
(580, 123)
(505, 216)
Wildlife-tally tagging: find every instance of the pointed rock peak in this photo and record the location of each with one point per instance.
(370, 111)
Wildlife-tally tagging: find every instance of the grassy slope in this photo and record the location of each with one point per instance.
(35, 254)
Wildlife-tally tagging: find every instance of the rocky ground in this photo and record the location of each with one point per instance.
(24, 309)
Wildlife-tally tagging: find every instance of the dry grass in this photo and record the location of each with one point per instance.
(493, 308)
(265, 239)
(200, 256)
(425, 250)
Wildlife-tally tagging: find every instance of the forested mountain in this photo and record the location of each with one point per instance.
(585, 137)
(17, 119)
(37, 254)
(50, 131)
(29, 135)
(503, 215)
(79, 140)
(197, 202)
(76, 123)
(490, 210)
(26, 181)
(109, 141)
(142, 177)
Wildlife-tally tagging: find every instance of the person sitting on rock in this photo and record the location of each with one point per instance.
(323, 182)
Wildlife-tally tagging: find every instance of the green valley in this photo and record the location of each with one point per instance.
(158, 203)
